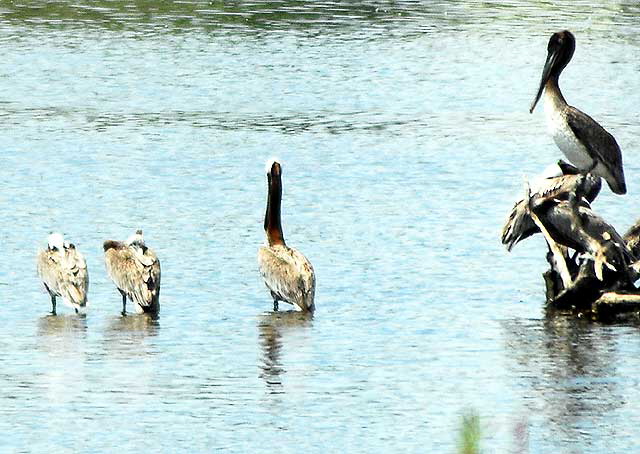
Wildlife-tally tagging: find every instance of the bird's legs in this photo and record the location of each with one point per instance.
(53, 305)
(275, 302)
(124, 302)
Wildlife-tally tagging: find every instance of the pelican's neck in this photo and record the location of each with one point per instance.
(272, 223)
(553, 99)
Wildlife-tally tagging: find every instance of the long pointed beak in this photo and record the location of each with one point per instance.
(546, 74)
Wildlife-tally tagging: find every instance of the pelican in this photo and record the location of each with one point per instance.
(583, 141)
(135, 269)
(557, 182)
(287, 273)
(63, 271)
(576, 226)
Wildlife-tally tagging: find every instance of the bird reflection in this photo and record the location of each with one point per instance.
(273, 329)
(569, 365)
(126, 335)
(63, 326)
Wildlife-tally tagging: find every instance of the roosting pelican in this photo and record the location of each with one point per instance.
(135, 269)
(287, 273)
(583, 141)
(63, 271)
(557, 182)
(576, 226)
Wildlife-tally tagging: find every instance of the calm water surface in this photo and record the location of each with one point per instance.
(404, 133)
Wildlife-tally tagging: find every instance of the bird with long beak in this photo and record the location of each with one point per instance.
(287, 273)
(583, 141)
(557, 183)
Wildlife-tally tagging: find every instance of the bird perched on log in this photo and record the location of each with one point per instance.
(287, 273)
(557, 182)
(583, 141)
(135, 269)
(574, 225)
(63, 271)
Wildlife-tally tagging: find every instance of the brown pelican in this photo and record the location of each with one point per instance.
(135, 269)
(557, 182)
(583, 141)
(63, 271)
(576, 226)
(287, 273)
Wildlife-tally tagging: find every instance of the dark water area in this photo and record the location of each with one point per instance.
(404, 134)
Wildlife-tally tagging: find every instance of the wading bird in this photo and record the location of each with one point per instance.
(63, 271)
(583, 141)
(135, 269)
(287, 273)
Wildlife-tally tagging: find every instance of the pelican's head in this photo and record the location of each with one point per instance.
(273, 167)
(559, 52)
(136, 239)
(55, 242)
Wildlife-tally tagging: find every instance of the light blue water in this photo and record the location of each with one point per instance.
(404, 133)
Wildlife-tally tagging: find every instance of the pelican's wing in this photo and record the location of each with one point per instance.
(48, 263)
(75, 279)
(150, 276)
(135, 274)
(600, 144)
(289, 275)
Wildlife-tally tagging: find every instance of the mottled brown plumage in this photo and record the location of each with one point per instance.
(63, 271)
(135, 270)
(558, 183)
(287, 273)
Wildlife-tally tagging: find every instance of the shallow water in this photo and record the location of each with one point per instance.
(404, 133)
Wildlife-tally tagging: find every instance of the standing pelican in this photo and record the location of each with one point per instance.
(135, 269)
(287, 273)
(583, 141)
(63, 271)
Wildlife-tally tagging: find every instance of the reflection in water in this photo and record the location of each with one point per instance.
(273, 326)
(126, 335)
(63, 339)
(570, 367)
(64, 326)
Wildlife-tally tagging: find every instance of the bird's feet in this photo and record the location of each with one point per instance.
(275, 306)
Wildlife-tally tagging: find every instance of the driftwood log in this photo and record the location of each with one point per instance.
(592, 268)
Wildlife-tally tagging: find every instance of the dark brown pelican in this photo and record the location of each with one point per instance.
(63, 271)
(135, 269)
(287, 273)
(576, 226)
(557, 182)
(583, 141)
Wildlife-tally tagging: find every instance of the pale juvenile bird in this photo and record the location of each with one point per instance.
(135, 269)
(287, 273)
(63, 271)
